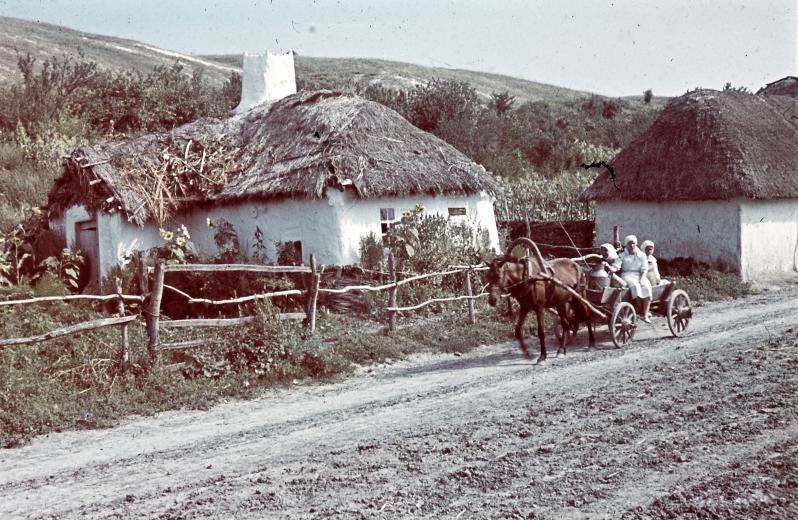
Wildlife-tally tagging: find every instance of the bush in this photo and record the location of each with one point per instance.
(430, 243)
(371, 252)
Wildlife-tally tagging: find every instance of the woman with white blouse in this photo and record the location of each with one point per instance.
(634, 267)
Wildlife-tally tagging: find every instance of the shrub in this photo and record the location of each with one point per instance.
(289, 253)
(66, 267)
(542, 199)
(268, 347)
(430, 243)
(50, 284)
(371, 252)
(226, 239)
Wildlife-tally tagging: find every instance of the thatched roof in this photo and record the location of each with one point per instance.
(297, 147)
(707, 145)
(786, 86)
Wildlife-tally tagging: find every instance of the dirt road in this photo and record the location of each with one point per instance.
(702, 424)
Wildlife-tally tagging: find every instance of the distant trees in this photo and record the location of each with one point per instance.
(648, 96)
(64, 102)
(107, 101)
(515, 141)
(728, 86)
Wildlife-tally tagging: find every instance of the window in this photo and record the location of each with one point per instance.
(457, 212)
(387, 220)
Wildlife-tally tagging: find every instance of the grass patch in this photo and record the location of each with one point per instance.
(707, 285)
(75, 382)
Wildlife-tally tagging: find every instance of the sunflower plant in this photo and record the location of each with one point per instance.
(178, 248)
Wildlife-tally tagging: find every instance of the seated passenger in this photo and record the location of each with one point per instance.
(653, 270)
(603, 273)
(634, 268)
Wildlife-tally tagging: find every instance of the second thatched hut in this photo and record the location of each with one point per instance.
(714, 178)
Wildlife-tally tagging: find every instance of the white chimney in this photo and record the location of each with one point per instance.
(266, 77)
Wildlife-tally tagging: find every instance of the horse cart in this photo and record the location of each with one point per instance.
(619, 313)
(535, 283)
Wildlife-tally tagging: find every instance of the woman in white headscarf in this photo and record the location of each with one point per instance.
(604, 271)
(634, 267)
(653, 270)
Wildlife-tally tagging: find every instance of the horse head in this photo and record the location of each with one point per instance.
(502, 275)
(493, 276)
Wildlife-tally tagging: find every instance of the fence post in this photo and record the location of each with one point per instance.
(144, 284)
(124, 355)
(155, 311)
(471, 315)
(313, 294)
(616, 236)
(391, 292)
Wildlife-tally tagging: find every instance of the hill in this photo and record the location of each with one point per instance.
(361, 72)
(43, 40)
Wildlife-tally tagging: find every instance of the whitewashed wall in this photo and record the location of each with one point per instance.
(769, 238)
(705, 230)
(114, 235)
(330, 229)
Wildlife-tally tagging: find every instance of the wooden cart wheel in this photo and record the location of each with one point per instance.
(623, 324)
(680, 311)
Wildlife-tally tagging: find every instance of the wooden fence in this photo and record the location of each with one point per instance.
(151, 299)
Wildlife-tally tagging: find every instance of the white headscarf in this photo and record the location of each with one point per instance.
(611, 253)
(630, 238)
(645, 244)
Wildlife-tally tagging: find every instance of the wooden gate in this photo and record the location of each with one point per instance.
(88, 242)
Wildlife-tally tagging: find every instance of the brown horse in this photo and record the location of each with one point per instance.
(523, 281)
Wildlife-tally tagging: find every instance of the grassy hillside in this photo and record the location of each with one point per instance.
(361, 72)
(44, 40)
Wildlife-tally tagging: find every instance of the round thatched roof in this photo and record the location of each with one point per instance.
(297, 147)
(310, 141)
(707, 145)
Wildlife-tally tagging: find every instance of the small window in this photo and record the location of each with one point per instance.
(457, 212)
(387, 220)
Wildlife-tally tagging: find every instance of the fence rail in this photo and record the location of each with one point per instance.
(151, 301)
(73, 297)
(66, 331)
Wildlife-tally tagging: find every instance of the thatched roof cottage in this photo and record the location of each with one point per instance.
(316, 169)
(714, 178)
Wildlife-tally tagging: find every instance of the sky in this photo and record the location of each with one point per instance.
(615, 48)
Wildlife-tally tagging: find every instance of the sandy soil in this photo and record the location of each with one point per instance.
(705, 425)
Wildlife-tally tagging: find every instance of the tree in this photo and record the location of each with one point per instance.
(440, 101)
(728, 87)
(647, 96)
(501, 102)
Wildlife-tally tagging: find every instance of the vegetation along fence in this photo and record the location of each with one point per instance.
(150, 302)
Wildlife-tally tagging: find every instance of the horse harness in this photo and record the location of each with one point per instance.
(533, 279)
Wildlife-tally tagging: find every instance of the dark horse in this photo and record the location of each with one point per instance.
(524, 282)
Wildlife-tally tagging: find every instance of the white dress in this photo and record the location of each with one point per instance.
(653, 270)
(633, 265)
